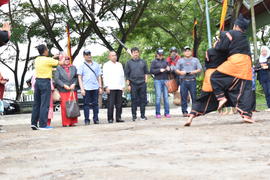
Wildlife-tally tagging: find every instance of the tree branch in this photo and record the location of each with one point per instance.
(47, 26)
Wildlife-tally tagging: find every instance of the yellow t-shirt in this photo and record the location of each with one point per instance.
(44, 65)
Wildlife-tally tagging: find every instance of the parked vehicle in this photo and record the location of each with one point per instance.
(11, 106)
(105, 101)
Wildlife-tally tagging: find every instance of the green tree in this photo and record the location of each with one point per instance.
(23, 33)
(170, 23)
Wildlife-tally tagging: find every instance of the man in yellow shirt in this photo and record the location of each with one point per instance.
(43, 67)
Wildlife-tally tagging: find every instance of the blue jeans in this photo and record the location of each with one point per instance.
(187, 86)
(41, 104)
(161, 88)
(90, 99)
(266, 89)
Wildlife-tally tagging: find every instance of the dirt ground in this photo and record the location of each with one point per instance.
(214, 147)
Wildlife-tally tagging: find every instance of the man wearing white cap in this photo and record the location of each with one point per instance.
(187, 68)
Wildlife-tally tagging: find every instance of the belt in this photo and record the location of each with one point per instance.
(43, 79)
(185, 79)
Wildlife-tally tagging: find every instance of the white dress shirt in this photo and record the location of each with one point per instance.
(113, 75)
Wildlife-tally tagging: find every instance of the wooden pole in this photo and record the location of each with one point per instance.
(254, 32)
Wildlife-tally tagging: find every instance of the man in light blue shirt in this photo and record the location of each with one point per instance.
(90, 83)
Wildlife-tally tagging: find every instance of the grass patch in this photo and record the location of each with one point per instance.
(260, 102)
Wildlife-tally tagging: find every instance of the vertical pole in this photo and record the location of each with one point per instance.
(208, 24)
(253, 21)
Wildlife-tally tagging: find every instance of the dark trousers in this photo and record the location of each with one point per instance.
(222, 83)
(266, 89)
(114, 100)
(237, 91)
(41, 102)
(187, 86)
(90, 99)
(138, 98)
(206, 103)
(253, 100)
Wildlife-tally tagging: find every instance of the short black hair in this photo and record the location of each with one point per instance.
(135, 49)
(41, 48)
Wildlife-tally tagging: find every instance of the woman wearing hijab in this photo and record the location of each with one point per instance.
(263, 70)
(65, 80)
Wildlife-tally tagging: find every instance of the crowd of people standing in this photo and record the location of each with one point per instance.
(229, 81)
(113, 78)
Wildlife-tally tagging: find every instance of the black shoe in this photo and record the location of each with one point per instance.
(143, 118)
(96, 122)
(120, 121)
(34, 127)
(110, 121)
(134, 118)
(87, 122)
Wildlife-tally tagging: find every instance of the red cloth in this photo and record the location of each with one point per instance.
(3, 2)
(64, 98)
(66, 67)
(50, 113)
(173, 62)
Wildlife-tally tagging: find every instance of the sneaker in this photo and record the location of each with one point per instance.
(158, 116)
(168, 116)
(34, 127)
(143, 118)
(134, 118)
(120, 121)
(46, 128)
(87, 122)
(110, 121)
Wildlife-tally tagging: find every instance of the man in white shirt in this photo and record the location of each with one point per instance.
(114, 83)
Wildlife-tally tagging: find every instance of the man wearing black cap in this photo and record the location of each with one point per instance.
(43, 67)
(187, 68)
(90, 83)
(160, 69)
(233, 79)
